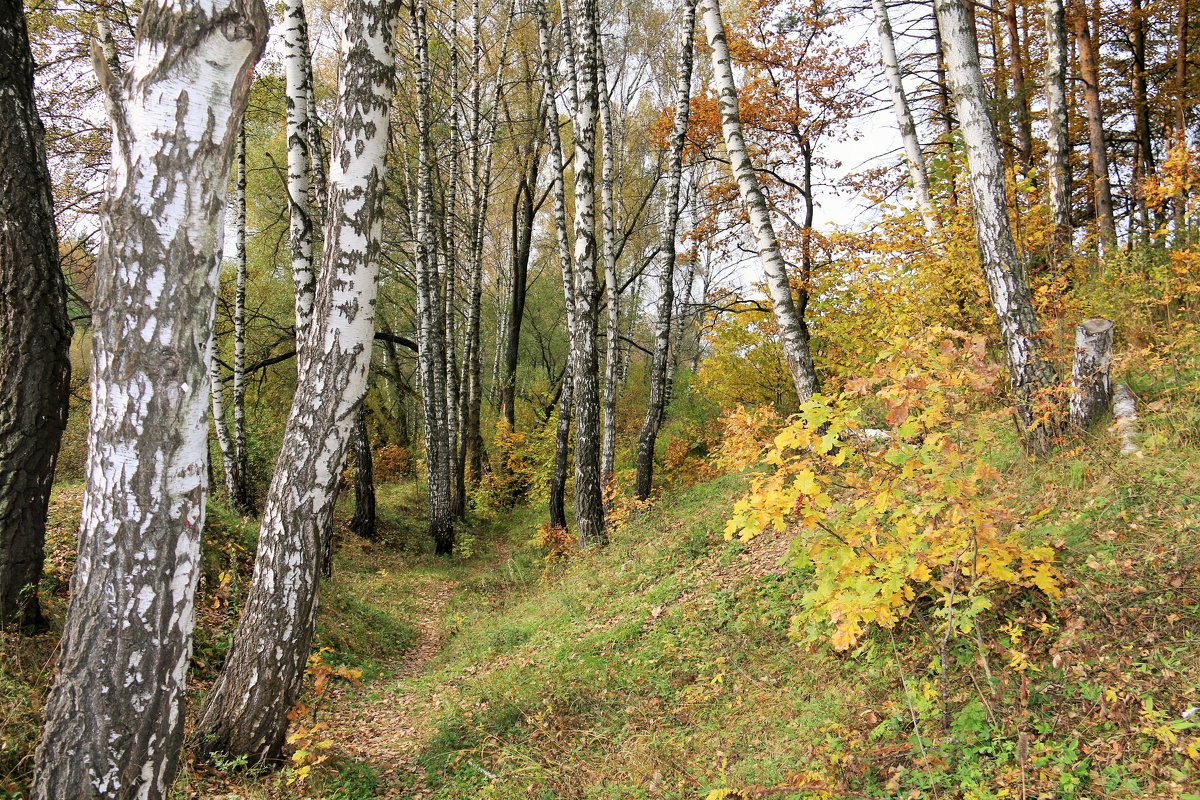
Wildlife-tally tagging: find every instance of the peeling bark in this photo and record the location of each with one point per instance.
(246, 712)
(114, 719)
(589, 505)
(1058, 145)
(1029, 372)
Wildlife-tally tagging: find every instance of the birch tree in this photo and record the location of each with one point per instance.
(1058, 146)
(114, 718)
(904, 118)
(35, 367)
(1029, 371)
(562, 434)
(430, 326)
(246, 711)
(299, 91)
(663, 322)
(612, 290)
(589, 504)
(792, 334)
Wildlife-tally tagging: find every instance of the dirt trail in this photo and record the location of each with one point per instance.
(382, 722)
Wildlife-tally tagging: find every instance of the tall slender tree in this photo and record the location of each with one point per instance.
(35, 367)
(1029, 371)
(246, 711)
(904, 118)
(666, 258)
(792, 334)
(1089, 73)
(589, 503)
(612, 291)
(114, 718)
(1058, 145)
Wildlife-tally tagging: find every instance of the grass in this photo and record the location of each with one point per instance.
(663, 666)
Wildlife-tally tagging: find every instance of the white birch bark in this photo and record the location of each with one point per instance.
(612, 354)
(298, 70)
(1029, 372)
(589, 506)
(220, 426)
(791, 329)
(246, 711)
(241, 457)
(114, 718)
(558, 478)
(1058, 145)
(430, 326)
(660, 367)
(904, 118)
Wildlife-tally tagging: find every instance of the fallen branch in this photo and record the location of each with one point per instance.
(1125, 415)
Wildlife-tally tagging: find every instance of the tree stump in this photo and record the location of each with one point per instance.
(1091, 384)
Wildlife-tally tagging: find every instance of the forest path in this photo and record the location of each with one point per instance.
(387, 719)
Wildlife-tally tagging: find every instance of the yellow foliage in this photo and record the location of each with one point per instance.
(892, 517)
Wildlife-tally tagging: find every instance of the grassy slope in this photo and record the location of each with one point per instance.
(662, 666)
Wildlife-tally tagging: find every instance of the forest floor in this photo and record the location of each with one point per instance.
(665, 665)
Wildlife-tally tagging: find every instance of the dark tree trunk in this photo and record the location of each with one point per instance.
(35, 369)
(246, 713)
(522, 236)
(363, 522)
(114, 719)
(1089, 72)
(666, 286)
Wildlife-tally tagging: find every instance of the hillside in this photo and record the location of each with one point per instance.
(662, 666)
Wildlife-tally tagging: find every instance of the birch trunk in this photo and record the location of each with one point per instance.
(612, 350)
(1089, 73)
(114, 718)
(791, 327)
(35, 364)
(1058, 145)
(589, 503)
(904, 118)
(1091, 384)
(220, 426)
(562, 434)
(243, 501)
(246, 711)
(1029, 372)
(298, 71)
(431, 328)
(666, 254)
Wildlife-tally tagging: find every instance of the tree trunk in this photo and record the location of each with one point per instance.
(589, 503)
(1029, 372)
(904, 118)
(1091, 385)
(363, 522)
(298, 72)
(431, 328)
(114, 718)
(1144, 163)
(522, 237)
(1179, 207)
(562, 434)
(35, 367)
(224, 441)
(243, 500)
(612, 290)
(1101, 188)
(1058, 145)
(666, 254)
(1016, 63)
(791, 327)
(246, 711)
